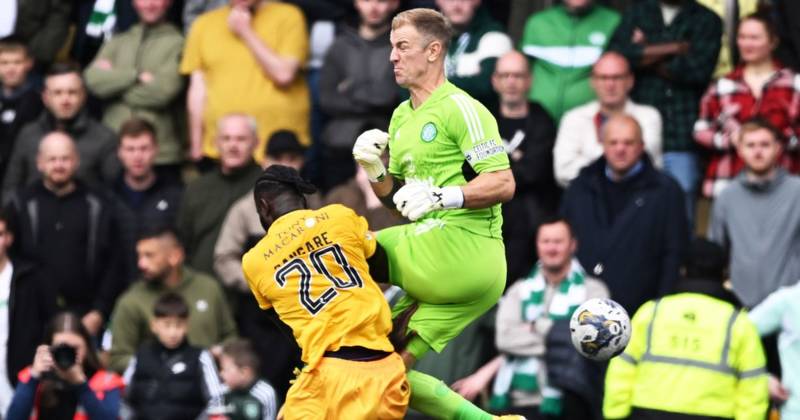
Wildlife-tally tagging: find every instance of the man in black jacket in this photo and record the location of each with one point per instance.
(528, 134)
(26, 306)
(69, 230)
(629, 218)
(144, 199)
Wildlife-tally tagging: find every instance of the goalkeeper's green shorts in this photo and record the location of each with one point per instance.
(453, 275)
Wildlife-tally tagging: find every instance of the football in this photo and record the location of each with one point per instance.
(600, 329)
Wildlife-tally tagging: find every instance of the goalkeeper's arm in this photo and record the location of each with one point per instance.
(488, 189)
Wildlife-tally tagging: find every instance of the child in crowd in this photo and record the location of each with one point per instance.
(246, 397)
(168, 378)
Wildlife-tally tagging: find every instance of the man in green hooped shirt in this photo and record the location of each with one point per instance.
(448, 173)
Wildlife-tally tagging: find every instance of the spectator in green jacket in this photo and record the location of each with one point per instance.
(565, 41)
(478, 41)
(136, 72)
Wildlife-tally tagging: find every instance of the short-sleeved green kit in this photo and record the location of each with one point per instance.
(450, 262)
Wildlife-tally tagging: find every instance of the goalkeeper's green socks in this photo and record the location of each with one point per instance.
(432, 397)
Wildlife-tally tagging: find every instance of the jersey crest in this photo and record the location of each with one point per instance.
(429, 132)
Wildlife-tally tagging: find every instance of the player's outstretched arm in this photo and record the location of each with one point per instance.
(488, 189)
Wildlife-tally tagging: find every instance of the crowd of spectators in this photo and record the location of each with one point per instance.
(132, 131)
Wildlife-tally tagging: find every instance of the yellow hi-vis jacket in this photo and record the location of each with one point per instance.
(693, 354)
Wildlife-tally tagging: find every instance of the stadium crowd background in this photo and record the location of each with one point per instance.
(122, 120)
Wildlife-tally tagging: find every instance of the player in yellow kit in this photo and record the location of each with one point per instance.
(312, 268)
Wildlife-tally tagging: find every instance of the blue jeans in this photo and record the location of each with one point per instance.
(684, 168)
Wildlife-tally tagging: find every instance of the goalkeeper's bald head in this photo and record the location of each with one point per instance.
(280, 190)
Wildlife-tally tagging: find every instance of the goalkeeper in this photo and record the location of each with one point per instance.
(448, 173)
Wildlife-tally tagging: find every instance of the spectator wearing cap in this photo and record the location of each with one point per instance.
(144, 199)
(240, 231)
(699, 341)
(207, 199)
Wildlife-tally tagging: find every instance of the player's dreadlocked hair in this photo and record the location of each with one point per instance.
(285, 182)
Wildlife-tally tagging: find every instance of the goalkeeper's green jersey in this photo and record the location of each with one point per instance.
(447, 141)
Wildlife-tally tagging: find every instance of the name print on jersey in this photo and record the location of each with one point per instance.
(293, 232)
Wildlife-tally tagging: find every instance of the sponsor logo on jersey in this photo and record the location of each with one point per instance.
(428, 132)
(484, 150)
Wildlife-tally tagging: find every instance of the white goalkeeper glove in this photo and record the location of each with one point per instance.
(416, 199)
(368, 150)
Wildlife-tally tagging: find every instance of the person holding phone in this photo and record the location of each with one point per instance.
(66, 379)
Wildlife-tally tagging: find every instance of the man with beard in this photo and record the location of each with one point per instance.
(70, 231)
(756, 218)
(64, 98)
(161, 258)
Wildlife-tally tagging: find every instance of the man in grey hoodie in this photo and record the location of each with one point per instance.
(356, 87)
(756, 218)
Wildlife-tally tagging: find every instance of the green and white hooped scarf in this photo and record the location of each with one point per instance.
(525, 373)
(102, 20)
